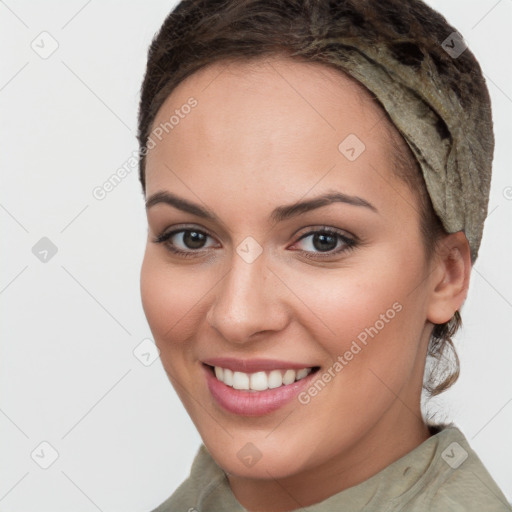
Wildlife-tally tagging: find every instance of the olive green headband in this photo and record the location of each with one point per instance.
(436, 96)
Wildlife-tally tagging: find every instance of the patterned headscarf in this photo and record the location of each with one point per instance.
(433, 89)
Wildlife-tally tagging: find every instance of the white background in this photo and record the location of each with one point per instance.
(68, 375)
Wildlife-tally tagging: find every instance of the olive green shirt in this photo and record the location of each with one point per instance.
(441, 474)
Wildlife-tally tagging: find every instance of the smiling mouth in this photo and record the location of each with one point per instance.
(261, 380)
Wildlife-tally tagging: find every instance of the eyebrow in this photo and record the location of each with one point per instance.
(279, 214)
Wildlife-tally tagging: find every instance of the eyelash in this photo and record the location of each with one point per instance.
(349, 243)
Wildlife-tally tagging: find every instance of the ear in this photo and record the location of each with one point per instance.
(451, 272)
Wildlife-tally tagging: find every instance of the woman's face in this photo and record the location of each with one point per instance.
(274, 278)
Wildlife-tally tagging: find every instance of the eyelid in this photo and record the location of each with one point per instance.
(324, 228)
(306, 231)
(349, 241)
(183, 227)
(167, 234)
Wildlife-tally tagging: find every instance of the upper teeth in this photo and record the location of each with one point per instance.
(259, 381)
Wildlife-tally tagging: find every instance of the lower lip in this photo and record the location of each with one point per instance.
(253, 403)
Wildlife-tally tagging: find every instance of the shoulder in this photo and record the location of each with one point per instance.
(458, 480)
(205, 486)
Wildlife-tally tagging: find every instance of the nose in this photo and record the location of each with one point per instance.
(248, 302)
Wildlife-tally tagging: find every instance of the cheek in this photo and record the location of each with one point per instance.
(344, 302)
(171, 300)
(371, 355)
(369, 319)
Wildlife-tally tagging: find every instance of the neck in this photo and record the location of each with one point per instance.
(400, 431)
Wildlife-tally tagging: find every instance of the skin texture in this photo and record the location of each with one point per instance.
(266, 134)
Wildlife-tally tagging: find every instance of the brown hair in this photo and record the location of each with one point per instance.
(200, 32)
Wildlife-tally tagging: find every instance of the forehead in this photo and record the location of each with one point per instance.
(269, 122)
(277, 81)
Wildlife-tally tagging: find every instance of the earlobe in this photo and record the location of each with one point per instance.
(451, 278)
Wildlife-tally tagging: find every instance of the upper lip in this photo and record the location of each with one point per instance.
(254, 365)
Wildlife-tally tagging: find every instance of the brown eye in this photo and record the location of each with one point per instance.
(193, 239)
(184, 242)
(326, 241)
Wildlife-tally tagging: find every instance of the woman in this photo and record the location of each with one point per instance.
(316, 177)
